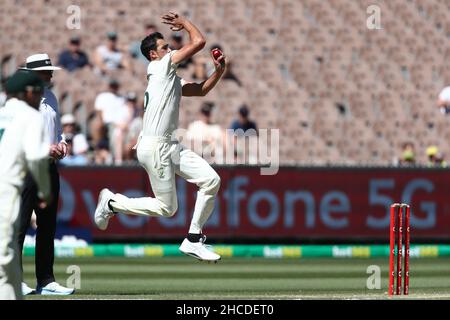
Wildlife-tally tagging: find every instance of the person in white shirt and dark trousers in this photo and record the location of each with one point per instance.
(46, 218)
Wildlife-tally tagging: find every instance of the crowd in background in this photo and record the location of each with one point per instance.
(111, 136)
(117, 122)
(408, 156)
(119, 113)
(435, 158)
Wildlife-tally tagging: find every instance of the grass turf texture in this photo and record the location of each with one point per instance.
(174, 278)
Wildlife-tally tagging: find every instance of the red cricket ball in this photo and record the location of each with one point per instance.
(216, 53)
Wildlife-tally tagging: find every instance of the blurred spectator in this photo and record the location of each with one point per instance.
(107, 103)
(73, 158)
(132, 136)
(243, 122)
(435, 158)
(71, 129)
(228, 74)
(102, 156)
(131, 102)
(135, 47)
(111, 110)
(444, 100)
(73, 58)
(408, 155)
(176, 43)
(199, 73)
(109, 56)
(122, 122)
(244, 151)
(206, 135)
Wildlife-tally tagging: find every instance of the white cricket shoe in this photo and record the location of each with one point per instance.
(198, 250)
(26, 290)
(103, 213)
(55, 289)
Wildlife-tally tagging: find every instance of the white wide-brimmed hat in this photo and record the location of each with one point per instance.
(68, 118)
(40, 61)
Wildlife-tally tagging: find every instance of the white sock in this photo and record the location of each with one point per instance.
(204, 206)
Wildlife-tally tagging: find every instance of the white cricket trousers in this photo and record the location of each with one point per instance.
(10, 273)
(162, 159)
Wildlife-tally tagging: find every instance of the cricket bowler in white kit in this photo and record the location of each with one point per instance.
(24, 145)
(160, 154)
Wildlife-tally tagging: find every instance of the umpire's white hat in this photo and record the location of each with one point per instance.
(40, 61)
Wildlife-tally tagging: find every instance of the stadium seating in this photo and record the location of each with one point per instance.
(339, 92)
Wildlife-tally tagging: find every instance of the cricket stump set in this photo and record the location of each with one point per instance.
(400, 217)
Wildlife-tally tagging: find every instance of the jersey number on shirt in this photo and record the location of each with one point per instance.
(146, 97)
(1, 133)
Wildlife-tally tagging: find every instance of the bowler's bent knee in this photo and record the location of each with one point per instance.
(212, 186)
(168, 210)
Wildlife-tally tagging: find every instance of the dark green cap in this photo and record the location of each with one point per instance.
(112, 35)
(22, 80)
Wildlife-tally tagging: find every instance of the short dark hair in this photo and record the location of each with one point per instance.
(206, 108)
(114, 84)
(149, 43)
(243, 111)
(214, 46)
(177, 38)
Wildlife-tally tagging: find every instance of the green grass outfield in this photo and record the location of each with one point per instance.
(242, 278)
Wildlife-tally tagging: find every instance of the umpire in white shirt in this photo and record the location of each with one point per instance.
(45, 218)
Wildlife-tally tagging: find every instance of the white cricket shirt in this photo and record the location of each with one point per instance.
(162, 97)
(52, 121)
(23, 140)
(444, 95)
(111, 106)
(112, 59)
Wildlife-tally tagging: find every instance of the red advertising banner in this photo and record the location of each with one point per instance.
(341, 203)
